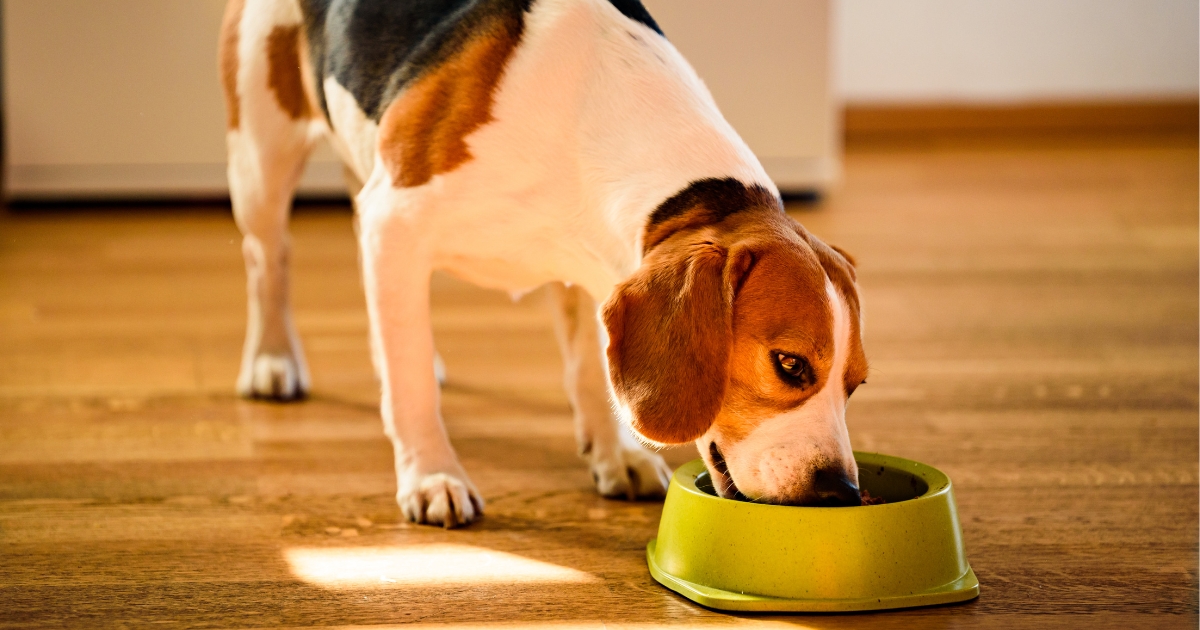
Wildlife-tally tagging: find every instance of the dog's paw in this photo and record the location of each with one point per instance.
(631, 472)
(273, 377)
(439, 498)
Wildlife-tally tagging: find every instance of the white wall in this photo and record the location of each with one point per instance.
(121, 98)
(1015, 50)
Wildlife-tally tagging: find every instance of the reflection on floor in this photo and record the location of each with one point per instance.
(421, 565)
(1031, 323)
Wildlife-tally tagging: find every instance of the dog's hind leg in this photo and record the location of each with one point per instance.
(621, 467)
(270, 135)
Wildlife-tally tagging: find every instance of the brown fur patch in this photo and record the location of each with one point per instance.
(227, 54)
(423, 132)
(744, 288)
(670, 333)
(840, 268)
(284, 74)
(782, 307)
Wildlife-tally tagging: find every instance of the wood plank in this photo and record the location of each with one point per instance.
(1171, 116)
(1031, 323)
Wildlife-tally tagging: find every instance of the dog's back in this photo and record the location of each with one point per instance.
(344, 63)
(376, 48)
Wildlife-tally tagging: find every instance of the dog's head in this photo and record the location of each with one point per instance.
(741, 331)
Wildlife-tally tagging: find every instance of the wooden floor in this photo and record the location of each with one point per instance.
(1031, 323)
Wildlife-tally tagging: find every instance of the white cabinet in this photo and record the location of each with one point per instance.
(119, 98)
(768, 64)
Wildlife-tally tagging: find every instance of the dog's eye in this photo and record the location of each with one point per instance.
(787, 363)
(794, 370)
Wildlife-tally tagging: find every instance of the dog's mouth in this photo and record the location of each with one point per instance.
(722, 480)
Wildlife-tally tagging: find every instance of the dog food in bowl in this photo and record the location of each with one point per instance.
(878, 485)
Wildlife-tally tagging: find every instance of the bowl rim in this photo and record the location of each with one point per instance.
(937, 483)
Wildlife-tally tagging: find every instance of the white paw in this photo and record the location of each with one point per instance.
(630, 472)
(439, 369)
(439, 499)
(273, 377)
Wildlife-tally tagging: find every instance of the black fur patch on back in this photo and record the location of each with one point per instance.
(374, 48)
(705, 202)
(314, 12)
(634, 10)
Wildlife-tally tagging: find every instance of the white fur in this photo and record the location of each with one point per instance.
(597, 120)
(778, 454)
(354, 135)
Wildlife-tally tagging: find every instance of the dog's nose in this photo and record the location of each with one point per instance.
(834, 488)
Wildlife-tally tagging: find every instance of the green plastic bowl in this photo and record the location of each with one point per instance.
(734, 555)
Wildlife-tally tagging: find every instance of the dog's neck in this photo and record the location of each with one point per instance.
(646, 128)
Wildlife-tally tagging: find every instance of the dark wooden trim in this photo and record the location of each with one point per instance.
(1163, 116)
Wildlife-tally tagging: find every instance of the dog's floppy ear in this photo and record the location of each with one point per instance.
(670, 333)
(834, 259)
(844, 254)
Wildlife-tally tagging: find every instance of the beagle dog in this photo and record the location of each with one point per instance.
(515, 143)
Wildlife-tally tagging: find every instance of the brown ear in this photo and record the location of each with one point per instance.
(832, 258)
(670, 333)
(845, 254)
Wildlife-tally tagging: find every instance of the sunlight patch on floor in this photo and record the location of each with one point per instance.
(692, 622)
(421, 565)
(711, 622)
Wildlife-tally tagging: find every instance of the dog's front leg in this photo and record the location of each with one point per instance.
(432, 486)
(621, 467)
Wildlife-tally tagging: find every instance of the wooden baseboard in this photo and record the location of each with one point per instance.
(1166, 116)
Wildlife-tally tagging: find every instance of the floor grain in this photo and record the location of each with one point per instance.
(1032, 328)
